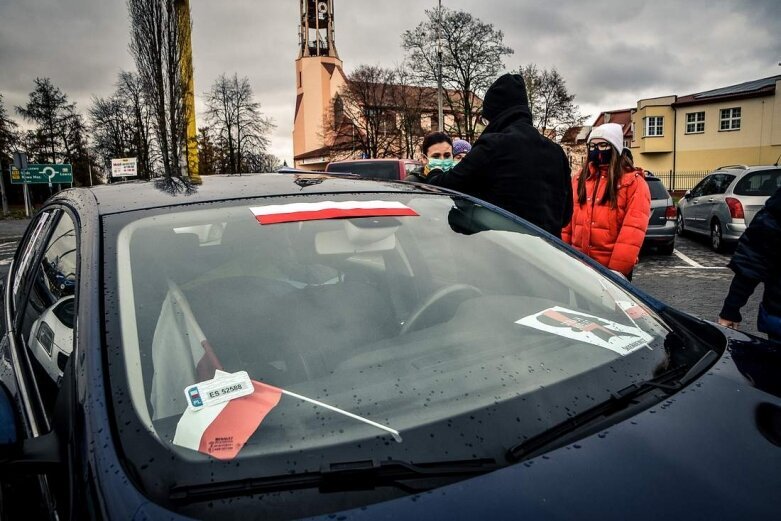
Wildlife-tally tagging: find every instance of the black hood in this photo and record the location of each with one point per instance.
(773, 204)
(509, 91)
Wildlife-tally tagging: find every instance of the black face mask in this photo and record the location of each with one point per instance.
(600, 157)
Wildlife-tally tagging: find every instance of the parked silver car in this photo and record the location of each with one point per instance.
(723, 204)
(662, 223)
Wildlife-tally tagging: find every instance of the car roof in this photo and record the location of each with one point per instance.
(140, 195)
(740, 172)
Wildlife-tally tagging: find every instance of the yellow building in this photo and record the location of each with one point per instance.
(739, 124)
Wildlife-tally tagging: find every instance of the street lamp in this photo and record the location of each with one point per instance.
(440, 115)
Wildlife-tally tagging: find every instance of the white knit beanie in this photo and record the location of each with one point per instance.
(613, 133)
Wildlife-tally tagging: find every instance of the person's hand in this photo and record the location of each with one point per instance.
(728, 323)
(619, 274)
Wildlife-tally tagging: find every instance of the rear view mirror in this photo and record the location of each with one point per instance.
(356, 239)
(688, 194)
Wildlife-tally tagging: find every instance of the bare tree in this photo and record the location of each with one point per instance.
(363, 119)
(240, 128)
(157, 42)
(111, 126)
(120, 123)
(411, 102)
(130, 88)
(552, 106)
(472, 53)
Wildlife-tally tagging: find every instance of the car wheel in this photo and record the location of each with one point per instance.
(716, 240)
(679, 224)
(667, 249)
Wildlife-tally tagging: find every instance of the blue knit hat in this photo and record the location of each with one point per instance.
(461, 147)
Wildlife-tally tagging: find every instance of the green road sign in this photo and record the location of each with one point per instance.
(43, 174)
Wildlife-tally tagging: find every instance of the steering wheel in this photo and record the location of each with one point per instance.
(440, 306)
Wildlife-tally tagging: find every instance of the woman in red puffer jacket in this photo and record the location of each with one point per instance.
(612, 203)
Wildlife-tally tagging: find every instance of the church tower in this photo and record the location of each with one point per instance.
(319, 76)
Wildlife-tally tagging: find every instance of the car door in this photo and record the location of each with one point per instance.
(693, 214)
(713, 203)
(42, 338)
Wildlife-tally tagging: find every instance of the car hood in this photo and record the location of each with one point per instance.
(713, 450)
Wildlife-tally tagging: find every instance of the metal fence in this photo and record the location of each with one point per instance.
(680, 181)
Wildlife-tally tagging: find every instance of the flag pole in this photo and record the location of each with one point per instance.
(393, 432)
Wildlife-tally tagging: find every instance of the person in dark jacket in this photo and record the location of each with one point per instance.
(437, 152)
(758, 259)
(511, 164)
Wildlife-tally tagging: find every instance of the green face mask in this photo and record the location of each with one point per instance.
(442, 164)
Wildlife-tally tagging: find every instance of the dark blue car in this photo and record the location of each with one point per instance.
(288, 346)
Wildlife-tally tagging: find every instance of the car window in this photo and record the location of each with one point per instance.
(368, 169)
(413, 168)
(48, 320)
(722, 182)
(434, 309)
(30, 249)
(698, 188)
(710, 186)
(658, 191)
(763, 183)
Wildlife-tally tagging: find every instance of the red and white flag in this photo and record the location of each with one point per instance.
(221, 430)
(294, 212)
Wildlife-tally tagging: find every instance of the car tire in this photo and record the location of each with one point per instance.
(716, 237)
(667, 249)
(679, 226)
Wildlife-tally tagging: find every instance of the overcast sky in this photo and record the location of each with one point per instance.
(610, 52)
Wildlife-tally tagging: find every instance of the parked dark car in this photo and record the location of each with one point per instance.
(387, 169)
(661, 224)
(723, 204)
(286, 346)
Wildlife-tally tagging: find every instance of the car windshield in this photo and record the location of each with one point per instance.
(658, 191)
(445, 330)
(763, 183)
(368, 169)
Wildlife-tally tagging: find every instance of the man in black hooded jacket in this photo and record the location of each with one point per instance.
(758, 259)
(512, 165)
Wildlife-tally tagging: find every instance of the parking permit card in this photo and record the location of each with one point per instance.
(222, 388)
(587, 328)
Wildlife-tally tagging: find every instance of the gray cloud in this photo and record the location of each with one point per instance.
(611, 53)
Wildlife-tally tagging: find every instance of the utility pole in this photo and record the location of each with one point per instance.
(440, 113)
(185, 24)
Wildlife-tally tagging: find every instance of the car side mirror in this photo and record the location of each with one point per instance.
(688, 194)
(20, 456)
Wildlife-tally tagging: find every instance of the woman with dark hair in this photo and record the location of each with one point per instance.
(437, 153)
(612, 203)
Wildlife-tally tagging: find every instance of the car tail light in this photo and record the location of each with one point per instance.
(735, 208)
(670, 213)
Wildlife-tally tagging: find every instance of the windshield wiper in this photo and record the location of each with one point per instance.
(618, 401)
(337, 477)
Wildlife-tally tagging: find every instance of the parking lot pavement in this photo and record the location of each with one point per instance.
(694, 279)
(7, 250)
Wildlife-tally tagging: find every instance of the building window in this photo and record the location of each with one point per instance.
(695, 122)
(654, 126)
(730, 119)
